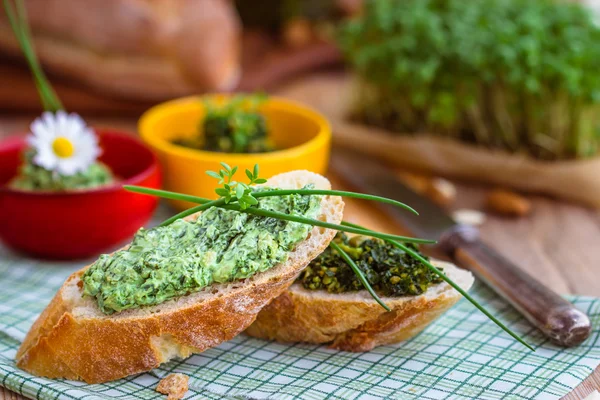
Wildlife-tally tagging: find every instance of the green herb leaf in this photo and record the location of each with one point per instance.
(250, 200)
(239, 191)
(213, 174)
(221, 192)
(227, 167)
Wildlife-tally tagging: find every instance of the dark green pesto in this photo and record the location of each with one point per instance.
(219, 246)
(389, 270)
(236, 127)
(33, 177)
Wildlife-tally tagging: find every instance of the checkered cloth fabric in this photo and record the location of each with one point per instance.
(462, 355)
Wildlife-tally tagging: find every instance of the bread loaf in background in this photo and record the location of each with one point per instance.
(136, 49)
(353, 321)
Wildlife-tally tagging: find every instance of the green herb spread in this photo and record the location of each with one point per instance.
(186, 256)
(33, 177)
(388, 269)
(236, 127)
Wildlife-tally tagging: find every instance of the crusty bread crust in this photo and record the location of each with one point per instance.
(354, 321)
(73, 339)
(140, 49)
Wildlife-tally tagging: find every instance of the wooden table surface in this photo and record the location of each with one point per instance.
(557, 243)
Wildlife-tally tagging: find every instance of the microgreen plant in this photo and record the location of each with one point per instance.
(234, 199)
(233, 191)
(517, 75)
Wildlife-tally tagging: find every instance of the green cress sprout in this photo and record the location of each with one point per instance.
(241, 197)
(516, 75)
(236, 191)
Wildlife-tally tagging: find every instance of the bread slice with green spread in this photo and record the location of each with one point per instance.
(353, 321)
(79, 337)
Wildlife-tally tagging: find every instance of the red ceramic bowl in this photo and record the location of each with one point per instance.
(77, 224)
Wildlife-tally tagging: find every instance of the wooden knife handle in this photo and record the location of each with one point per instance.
(558, 319)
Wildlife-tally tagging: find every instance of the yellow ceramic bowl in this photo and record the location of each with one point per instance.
(302, 135)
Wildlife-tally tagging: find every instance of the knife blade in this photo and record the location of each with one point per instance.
(554, 316)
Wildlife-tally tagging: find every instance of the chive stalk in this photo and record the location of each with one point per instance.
(193, 210)
(268, 214)
(361, 277)
(20, 27)
(328, 225)
(278, 192)
(417, 256)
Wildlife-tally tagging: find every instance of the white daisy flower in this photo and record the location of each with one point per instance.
(63, 143)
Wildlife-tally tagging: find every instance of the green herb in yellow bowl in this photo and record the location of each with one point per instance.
(195, 134)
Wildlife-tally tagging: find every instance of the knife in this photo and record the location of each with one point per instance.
(555, 317)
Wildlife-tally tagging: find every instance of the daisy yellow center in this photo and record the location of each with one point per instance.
(63, 147)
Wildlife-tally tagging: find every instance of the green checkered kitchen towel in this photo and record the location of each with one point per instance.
(462, 355)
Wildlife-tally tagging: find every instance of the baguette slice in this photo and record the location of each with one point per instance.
(73, 339)
(354, 321)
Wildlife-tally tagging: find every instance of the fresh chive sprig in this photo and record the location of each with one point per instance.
(20, 27)
(193, 210)
(278, 192)
(460, 290)
(361, 277)
(266, 213)
(328, 225)
(341, 193)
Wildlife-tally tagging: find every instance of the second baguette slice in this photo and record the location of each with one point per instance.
(73, 339)
(353, 321)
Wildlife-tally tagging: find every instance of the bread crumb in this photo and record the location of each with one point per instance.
(469, 217)
(173, 385)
